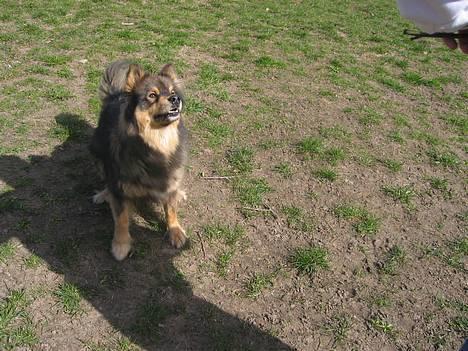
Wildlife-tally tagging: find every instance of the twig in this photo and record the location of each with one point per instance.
(202, 245)
(275, 216)
(260, 210)
(217, 177)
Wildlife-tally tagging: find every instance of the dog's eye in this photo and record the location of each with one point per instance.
(152, 96)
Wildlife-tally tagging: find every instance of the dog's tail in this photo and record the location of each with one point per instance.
(114, 80)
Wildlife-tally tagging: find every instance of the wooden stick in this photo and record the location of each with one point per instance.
(216, 177)
(202, 245)
(259, 210)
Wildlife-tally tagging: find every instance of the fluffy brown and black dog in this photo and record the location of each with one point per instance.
(141, 146)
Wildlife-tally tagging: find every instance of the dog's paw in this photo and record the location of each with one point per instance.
(120, 250)
(177, 237)
(100, 197)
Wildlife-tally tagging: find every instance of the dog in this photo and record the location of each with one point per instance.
(140, 144)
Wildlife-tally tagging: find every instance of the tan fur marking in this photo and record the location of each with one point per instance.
(121, 244)
(161, 138)
(171, 216)
(135, 74)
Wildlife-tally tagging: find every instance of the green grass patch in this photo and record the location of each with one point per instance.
(33, 261)
(54, 60)
(365, 223)
(394, 166)
(310, 146)
(326, 174)
(339, 327)
(7, 251)
(447, 159)
(58, 93)
(333, 155)
(148, 320)
(269, 62)
(257, 283)
(68, 127)
(297, 218)
(16, 328)
(336, 132)
(441, 185)
(223, 261)
(459, 324)
(403, 194)
(395, 136)
(284, 169)
(69, 297)
(241, 159)
(370, 117)
(395, 257)
(383, 326)
(310, 260)
(453, 253)
(230, 235)
(9, 203)
(250, 191)
(459, 123)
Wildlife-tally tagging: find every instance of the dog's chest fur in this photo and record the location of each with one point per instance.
(152, 162)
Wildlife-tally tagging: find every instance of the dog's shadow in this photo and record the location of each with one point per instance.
(48, 208)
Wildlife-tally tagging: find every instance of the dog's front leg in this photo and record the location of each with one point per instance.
(122, 242)
(177, 235)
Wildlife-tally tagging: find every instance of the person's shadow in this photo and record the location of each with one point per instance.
(49, 209)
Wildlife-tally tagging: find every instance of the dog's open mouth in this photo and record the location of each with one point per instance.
(171, 116)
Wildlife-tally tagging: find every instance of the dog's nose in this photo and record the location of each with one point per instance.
(174, 100)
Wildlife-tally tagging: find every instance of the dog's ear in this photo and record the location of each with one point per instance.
(169, 72)
(134, 75)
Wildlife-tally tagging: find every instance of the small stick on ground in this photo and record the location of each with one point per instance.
(260, 210)
(217, 177)
(275, 216)
(202, 245)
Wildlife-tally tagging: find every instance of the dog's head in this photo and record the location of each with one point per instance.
(158, 97)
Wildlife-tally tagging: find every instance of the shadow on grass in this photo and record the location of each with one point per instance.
(145, 297)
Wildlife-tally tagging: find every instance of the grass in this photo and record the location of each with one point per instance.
(310, 260)
(339, 327)
(284, 169)
(257, 283)
(310, 146)
(447, 159)
(403, 194)
(297, 218)
(272, 104)
(222, 262)
(326, 174)
(441, 184)
(396, 137)
(365, 223)
(394, 259)
(452, 253)
(269, 62)
(230, 235)
(149, 318)
(459, 324)
(333, 155)
(250, 191)
(33, 261)
(69, 297)
(382, 326)
(16, 328)
(241, 159)
(394, 166)
(7, 250)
